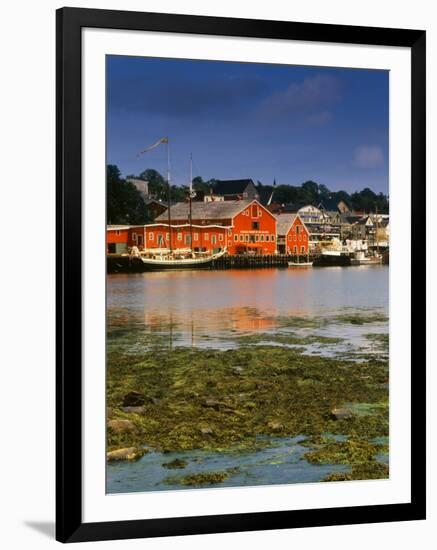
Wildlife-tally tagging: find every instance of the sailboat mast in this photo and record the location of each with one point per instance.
(191, 199)
(377, 227)
(168, 194)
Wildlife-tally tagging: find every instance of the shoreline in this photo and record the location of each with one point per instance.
(240, 400)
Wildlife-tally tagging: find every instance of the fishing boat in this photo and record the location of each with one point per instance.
(360, 258)
(333, 257)
(301, 264)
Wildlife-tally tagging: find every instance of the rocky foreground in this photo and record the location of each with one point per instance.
(224, 400)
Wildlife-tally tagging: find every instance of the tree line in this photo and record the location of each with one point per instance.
(126, 205)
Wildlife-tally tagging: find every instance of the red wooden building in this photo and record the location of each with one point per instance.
(242, 226)
(293, 235)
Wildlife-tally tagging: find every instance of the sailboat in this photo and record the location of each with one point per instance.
(178, 259)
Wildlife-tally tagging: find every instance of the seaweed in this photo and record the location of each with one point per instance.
(216, 399)
(202, 478)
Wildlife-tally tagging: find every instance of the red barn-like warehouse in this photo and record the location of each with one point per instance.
(242, 226)
(293, 236)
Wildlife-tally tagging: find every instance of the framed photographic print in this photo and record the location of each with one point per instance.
(240, 274)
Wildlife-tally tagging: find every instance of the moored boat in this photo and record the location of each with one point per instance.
(333, 257)
(360, 258)
(175, 261)
(300, 264)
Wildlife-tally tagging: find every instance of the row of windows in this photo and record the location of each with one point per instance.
(254, 238)
(295, 249)
(294, 237)
(187, 237)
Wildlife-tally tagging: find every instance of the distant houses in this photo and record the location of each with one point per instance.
(243, 219)
(232, 190)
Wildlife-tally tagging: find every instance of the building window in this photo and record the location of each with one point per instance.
(255, 225)
(188, 239)
(254, 211)
(235, 238)
(241, 238)
(213, 239)
(117, 232)
(298, 229)
(247, 238)
(267, 238)
(290, 237)
(206, 236)
(196, 236)
(220, 237)
(261, 238)
(134, 236)
(256, 238)
(167, 236)
(295, 249)
(272, 238)
(160, 240)
(179, 236)
(151, 235)
(302, 249)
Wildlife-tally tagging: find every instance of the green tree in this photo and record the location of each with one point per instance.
(157, 183)
(125, 204)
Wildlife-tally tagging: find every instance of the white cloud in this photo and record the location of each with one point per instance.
(307, 96)
(368, 156)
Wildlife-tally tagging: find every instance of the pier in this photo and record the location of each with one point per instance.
(123, 263)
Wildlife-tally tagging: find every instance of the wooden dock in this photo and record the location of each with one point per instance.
(117, 263)
(243, 261)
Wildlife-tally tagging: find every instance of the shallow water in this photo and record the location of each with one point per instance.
(281, 463)
(218, 309)
(211, 308)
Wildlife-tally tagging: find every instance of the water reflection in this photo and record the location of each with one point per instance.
(206, 308)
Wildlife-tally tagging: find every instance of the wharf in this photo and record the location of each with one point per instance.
(118, 263)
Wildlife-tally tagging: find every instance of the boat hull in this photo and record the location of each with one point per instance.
(366, 261)
(170, 266)
(327, 260)
(155, 264)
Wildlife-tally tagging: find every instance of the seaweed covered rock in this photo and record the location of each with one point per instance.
(176, 464)
(133, 399)
(341, 414)
(203, 478)
(352, 451)
(135, 410)
(369, 470)
(121, 426)
(127, 453)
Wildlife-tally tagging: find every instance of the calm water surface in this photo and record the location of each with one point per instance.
(205, 308)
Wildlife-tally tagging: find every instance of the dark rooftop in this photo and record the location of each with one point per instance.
(231, 187)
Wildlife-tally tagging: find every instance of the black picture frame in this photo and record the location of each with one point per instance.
(69, 525)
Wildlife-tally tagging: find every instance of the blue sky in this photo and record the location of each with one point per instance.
(249, 120)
